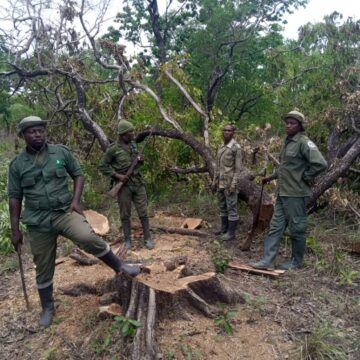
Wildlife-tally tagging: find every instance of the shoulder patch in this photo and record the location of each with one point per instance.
(311, 145)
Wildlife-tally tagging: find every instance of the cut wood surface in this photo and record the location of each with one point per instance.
(192, 223)
(61, 260)
(110, 310)
(97, 221)
(250, 269)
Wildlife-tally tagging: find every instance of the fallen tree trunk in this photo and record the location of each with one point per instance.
(249, 191)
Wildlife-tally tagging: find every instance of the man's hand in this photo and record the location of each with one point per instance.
(121, 178)
(17, 239)
(266, 179)
(140, 157)
(75, 206)
(311, 183)
(232, 189)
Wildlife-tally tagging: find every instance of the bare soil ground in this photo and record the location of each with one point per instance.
(280, 319)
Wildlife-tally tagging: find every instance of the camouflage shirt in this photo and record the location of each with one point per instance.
(228, 165)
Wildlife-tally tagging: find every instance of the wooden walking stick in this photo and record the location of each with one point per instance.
(23, 279)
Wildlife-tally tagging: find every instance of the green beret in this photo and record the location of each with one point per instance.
(28, 122)
(125, 127)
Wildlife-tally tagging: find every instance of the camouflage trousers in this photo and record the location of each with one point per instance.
(228, 204)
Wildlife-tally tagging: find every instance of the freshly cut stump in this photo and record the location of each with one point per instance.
(161, 294)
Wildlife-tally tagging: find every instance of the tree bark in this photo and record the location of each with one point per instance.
(338, 168)
(149, 304)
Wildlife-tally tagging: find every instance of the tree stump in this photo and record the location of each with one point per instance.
(160, 294)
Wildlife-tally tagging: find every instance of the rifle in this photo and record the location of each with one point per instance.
(247, 243)
(117, 187)
(23, 280)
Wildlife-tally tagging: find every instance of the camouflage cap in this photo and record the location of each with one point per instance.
(125, 127)
(297, 116)
(29, 121)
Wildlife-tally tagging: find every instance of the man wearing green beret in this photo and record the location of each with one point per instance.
(115, 163)
(300, 162)
(39, 175)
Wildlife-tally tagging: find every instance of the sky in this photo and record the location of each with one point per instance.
(315, 12)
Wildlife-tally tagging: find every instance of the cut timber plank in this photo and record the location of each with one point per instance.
(250, 269)
(97, 221)
(110, 310)
(61, 260)
(192, 223)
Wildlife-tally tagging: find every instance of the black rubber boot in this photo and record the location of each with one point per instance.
(297, 257)
(47, 304)
(126, 226)
(231, 233)
(271, 247)
(224, 226)
(146, 230)
(111, 260)
(290, 265)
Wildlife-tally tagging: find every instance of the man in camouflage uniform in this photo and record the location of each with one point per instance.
(225, 182)
(300, 162)
(115, 163)
(39, 174)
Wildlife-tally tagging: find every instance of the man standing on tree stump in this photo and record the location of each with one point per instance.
(300, 162)
(225, 183)
(115, 163)
(39, 174)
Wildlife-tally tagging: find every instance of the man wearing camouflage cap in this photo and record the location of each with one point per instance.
(300, 162)
(115, 163)
(39, 175)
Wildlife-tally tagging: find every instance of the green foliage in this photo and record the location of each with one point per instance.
(50, 354)
(101, 346)
(224, 320)
(336, 266)
(347, 276)
(191, 353)
(95, 187)
(257, 303)
(169, 354)
(5, 232)
(220, 257)
(323, 343)
(128, 327)
(313, 245)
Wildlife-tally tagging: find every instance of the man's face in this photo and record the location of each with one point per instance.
(128, 137)
(292, 127)
(35, 136)
(228, 133)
